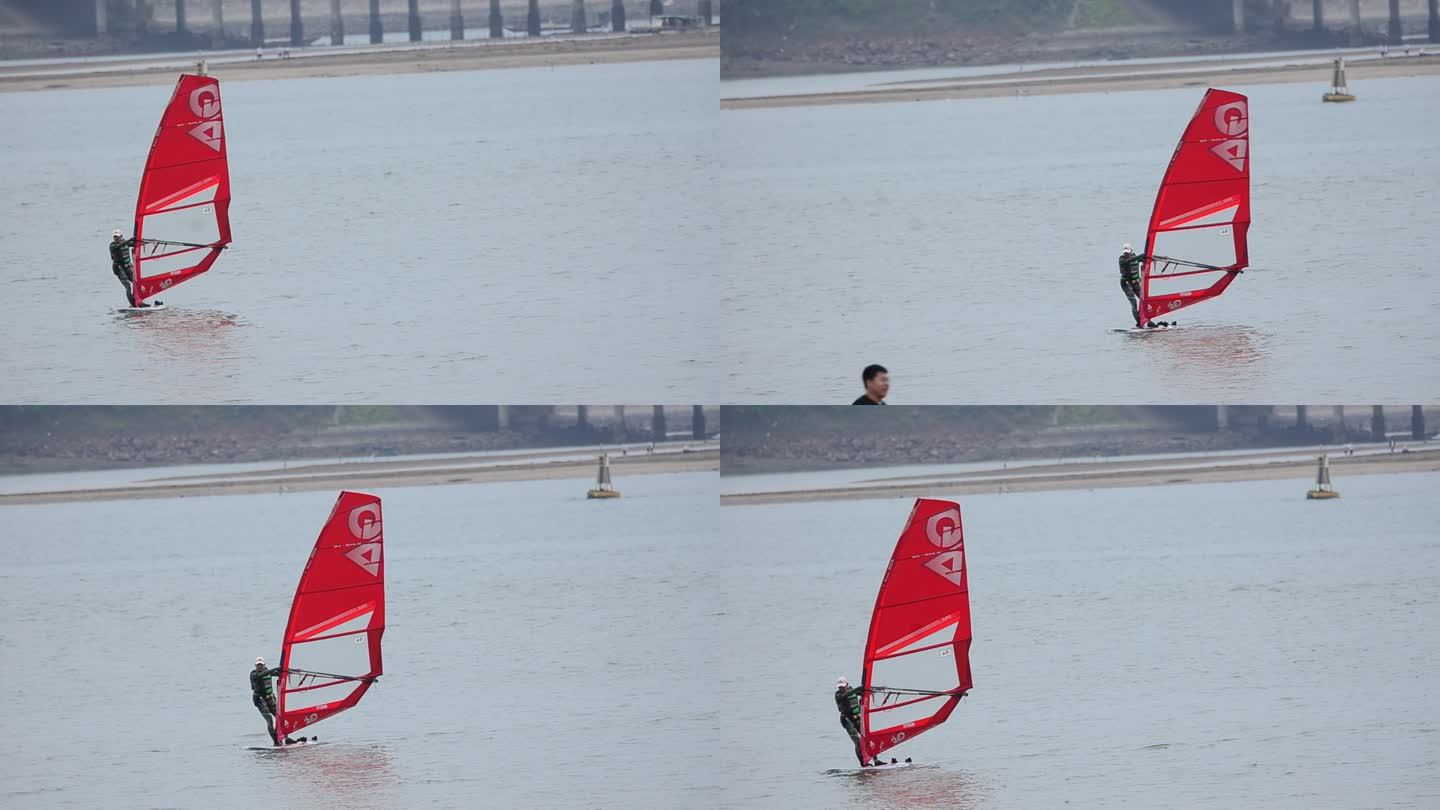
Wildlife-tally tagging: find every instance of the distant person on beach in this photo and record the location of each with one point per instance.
(877, 385)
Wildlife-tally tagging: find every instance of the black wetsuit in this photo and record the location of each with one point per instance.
(1130, 281)
(263, 696)
(121, 267)
(848, 702)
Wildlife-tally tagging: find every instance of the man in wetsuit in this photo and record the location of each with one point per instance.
(264, 697)
(847, 700)
(120, 264)
(1130, 263)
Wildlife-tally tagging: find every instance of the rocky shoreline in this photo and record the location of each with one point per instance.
(837, 451)
(24, 452)
(765, 56)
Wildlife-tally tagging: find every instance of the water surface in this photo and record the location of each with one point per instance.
(537, 646)
(452, 237)
(1127, 652)
(970, 246)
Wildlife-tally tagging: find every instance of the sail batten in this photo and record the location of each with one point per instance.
(184, 194)
(919, 639)
(331, 650)
(1201, 215)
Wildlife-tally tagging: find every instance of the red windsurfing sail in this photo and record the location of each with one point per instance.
(917, 657)
(182, 218)
(1196, 242)
(331, 653)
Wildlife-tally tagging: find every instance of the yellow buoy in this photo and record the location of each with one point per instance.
(1322, 491)
(603, 488)
(1338, 90)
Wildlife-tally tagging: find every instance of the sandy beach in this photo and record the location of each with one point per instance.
(365, 61)
(1120, 76)
(390, 473)
(1108, 474)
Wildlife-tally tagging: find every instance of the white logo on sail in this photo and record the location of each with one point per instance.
(943, 530)
(208, 133)
(1232, 119)
(205, 102)
(365, 521)
(950, 565)
(367, 556)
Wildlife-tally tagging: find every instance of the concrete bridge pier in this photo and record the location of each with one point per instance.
(697, 421)
(1317, 10)
(497, 22)
(532, 19)
(582, 416)
(1338, 429)
(1434, 9)
(657, 424)
(656, 8)
(1302, 417)
(102, 18)
(297, 24)
(502, 417)
(1237, 11)
(180, 27)
(707, 12)
(217, 22)
(377, 28)
(457, 21)
(1355, 15)
(577, 17)
(257, 24)
(1222, 417)
(1417, 413)
(414, 20)
(337, 24)
(621, 429)
(1377, 423)
(617, 15)
(1396, 32)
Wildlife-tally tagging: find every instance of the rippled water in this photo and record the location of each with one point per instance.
(1128, 651)
(419, 238)
(970, 247)
(539, 648)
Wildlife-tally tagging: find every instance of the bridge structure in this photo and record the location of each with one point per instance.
(194, 16)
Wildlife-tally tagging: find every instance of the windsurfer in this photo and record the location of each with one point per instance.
(877, 385)
(264, 697)
(120, 264)
(847, 700)
(1130, 263)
